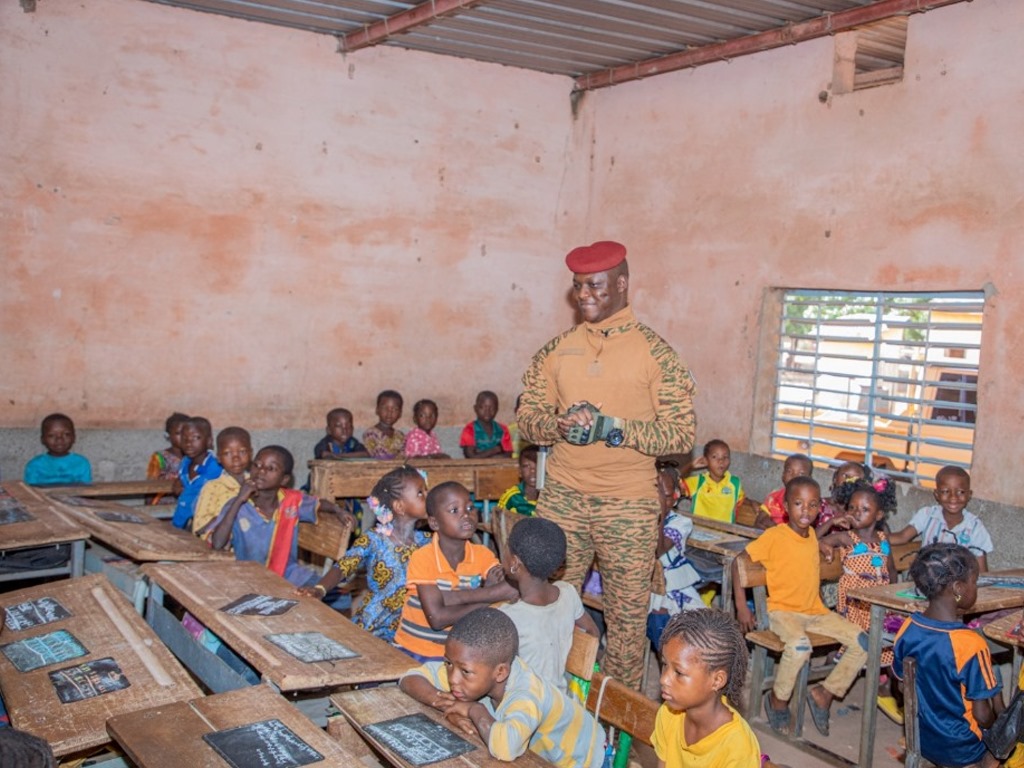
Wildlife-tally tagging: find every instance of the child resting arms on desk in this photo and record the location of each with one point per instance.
(449, 576)
(262, 521)
(484, 688)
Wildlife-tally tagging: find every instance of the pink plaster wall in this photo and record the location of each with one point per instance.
(232, 219)
(734, 178)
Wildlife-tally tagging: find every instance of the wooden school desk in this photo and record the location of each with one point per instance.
(355, 478)
(106, 627)
(373, 705)
(204, 588)
(1002, 631)
(135, 537)
(114, 489)
(171, 735)
(36, 521)
(887, 598)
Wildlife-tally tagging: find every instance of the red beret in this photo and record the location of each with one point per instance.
(599, 257)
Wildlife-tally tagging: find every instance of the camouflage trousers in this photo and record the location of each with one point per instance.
(622, 534)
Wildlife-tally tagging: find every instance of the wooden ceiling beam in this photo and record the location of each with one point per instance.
(402, 21)
(829, 24)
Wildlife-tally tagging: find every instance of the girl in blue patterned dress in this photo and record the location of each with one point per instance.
(399, 502)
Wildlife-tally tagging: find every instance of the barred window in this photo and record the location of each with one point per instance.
(887, 378)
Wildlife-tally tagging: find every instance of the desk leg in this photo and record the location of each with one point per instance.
(869, 715)
(77, 558)
(726, 600)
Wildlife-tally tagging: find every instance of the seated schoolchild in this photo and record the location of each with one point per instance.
(773, 509)
(339, 443)
(484, 688)
(715, 491)
(382, 440)
(485, 438)
(522, 497)
(958, 691)
(681, 578)
(789, 554)
(833, 506)
(58, 466)
(449, 576)
(949, 520)
(234, 454)
(199, 466)
(545, 613)
(164, 464)
(422, 441)
(261, 523)
(399, 502)
(704, 658)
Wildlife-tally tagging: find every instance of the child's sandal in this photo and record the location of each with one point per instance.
(778, 719)
(819, 715)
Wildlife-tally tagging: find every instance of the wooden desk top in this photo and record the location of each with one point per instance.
(989, 598)
(717, 542)
(374, 705)
(204, 588)
(744, 531)
(120, 488)
(171, 736)
(1002, 630)
(104, 622)
(49, 524)
(345, 478)
(148, 541)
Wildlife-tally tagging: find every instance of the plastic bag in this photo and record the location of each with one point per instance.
(1007, 730)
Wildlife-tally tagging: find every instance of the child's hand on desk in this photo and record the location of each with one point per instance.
(442, 700)
(343, 514)
(745, 618)
(457, 715)
(315, 591)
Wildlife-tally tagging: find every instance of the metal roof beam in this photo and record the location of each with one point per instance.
(402, 21)
(829, 24)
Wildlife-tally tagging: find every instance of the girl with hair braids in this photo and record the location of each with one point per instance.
(399, 502)
(958, 691)
(705, 666)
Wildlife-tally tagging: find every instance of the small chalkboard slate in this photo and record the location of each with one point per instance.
(43, 650)
(34, 613)
(269, 742)
(11, 511)
(93, 678)
(312, 646)
(120, 517)
(418, 739)
(259, 605)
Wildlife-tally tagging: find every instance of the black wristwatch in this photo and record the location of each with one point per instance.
(615, 438)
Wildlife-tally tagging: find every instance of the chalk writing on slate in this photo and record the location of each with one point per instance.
(43, 650)
(267, 743)
(312, 646)
(11, 511)
(34, 613)
(93, 678)
(120, 517)
(259, 605)
(418, 739)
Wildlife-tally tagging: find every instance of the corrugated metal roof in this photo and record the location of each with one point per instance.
(598, 42)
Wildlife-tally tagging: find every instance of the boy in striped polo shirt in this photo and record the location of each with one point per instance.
(484, 688)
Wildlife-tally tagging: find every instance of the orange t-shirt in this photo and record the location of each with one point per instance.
(794, 569)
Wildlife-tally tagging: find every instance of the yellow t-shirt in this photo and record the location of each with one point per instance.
(793, 567)
(715, 500)
(212, 498)
(734, 745)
